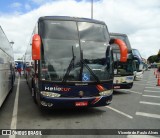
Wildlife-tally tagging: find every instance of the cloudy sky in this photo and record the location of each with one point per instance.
(139, 19)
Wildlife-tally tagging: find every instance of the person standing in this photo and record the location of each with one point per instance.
(19, 69)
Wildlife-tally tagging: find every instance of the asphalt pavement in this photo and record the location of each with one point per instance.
(136, 108)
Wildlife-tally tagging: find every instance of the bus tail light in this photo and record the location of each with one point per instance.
(36, 46)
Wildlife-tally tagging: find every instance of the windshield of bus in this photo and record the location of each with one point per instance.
(138, 60)
(136, 53)
(72, 55)
(123, 68)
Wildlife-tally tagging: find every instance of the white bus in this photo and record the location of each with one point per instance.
(7, 75)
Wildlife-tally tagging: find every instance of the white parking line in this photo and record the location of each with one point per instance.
(145, 84)
(151, 91)
(152, 82)
(122, 113)
(15, 110)
(151, 96)
(131, 91)
(143, 102)
(148, 115)
(155, 83)
(157, 87)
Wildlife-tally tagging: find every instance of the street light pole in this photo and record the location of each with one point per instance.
(91, 9)
(12, 43)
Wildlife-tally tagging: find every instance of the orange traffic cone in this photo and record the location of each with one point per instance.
(158, 79)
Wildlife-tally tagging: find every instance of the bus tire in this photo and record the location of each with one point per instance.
(12, 84)
(27, 81)
(34, 93)
(34, 96)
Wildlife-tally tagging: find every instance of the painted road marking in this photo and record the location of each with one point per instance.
(15, 110)
(151, 96)
(151, 91)
(153, 87)
(131, 91)
(148, 115)
(144, 84)
(143, 102)
(122, 113)
(154, 82)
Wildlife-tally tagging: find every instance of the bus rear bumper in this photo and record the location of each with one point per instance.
(75, 102)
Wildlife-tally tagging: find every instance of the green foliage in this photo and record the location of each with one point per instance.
(158, 54)
(154, 58)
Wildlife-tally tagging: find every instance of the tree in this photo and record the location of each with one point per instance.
(153, 58)
(158, 56)
(19, 59)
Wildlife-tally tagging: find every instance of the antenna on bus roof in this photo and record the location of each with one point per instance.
(91, 9)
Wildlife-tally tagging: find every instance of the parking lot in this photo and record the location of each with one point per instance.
(136, 108)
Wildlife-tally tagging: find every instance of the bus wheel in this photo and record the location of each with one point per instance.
(12, 84)
(34, 95)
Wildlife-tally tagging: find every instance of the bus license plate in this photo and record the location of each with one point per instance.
(81, 103)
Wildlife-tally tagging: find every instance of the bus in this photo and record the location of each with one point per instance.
(19, 67)
(72, 62)
(27, 63)
(123, 71)
(7, 75)
(138, 73)
(18, 62)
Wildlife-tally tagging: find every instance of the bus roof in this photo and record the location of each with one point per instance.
(5, 44)
(68, 18)
(118, 34)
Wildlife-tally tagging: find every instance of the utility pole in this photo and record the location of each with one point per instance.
(12, 43)
(91, 9)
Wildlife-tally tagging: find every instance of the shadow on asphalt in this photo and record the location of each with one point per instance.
(116, 92)
(71, 113)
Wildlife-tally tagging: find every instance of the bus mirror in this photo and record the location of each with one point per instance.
(109, 57)
(122, 47)
(36, 44)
